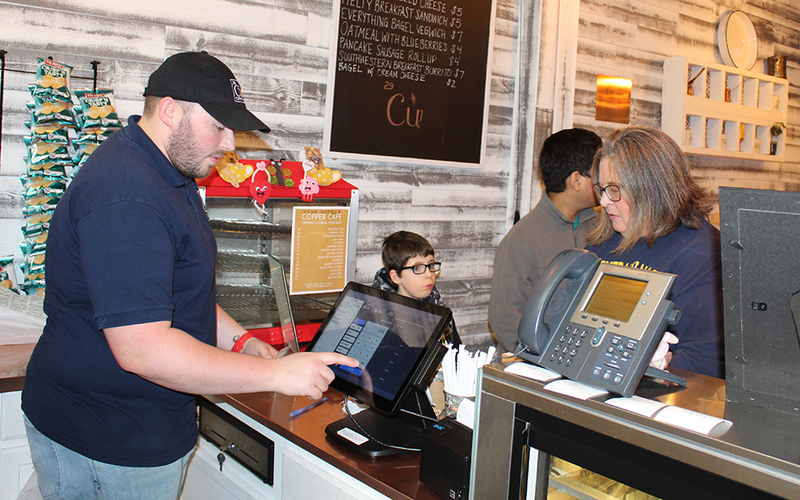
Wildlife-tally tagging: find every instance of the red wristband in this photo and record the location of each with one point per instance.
(239, 344)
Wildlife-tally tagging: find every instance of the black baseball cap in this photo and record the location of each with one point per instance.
(202, 78)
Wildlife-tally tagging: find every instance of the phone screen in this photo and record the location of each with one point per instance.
(616, 297)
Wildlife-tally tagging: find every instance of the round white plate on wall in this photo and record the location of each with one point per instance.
(737, 40)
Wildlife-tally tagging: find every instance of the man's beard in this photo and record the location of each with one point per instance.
(182, 151)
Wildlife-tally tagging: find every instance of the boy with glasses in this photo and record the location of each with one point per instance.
(410, 269)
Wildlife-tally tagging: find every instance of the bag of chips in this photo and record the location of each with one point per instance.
(36, 233)
(53, 134)
(29, 181)
(45, 112)
(52, 81)
(97, 109)
(42, 196)
(6, 265)
(38, 213)
(35, 287)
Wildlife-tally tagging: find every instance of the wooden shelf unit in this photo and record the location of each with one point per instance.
(703, 122)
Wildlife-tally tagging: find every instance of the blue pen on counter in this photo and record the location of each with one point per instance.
(296, 413)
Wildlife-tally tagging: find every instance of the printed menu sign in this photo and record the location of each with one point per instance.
(319, 249)
(408, 79)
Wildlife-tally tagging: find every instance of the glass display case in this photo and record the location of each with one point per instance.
(569, 481)
(247, 233)
(530, 442)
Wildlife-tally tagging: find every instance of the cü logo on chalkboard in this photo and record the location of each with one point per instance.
(395, 108)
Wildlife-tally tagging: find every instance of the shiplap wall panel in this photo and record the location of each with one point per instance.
(279, 20)
(279, 50)
(443, 235)
(76, 33)
(249, 56)
(10, 208)
(385, 175)
(631, 40)
(502, 92)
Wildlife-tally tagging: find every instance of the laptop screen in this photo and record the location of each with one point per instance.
(281, 289)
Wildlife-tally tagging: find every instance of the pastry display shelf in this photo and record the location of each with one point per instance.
(717, 110)
(246, 235)
(248, 227)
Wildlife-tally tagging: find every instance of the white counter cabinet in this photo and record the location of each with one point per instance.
(16, 465)
(298, 474)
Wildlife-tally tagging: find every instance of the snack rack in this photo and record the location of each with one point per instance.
(245, 236)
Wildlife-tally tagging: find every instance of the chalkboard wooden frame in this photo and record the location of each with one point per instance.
(409, 81)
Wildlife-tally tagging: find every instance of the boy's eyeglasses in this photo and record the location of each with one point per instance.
(433, 267)
(613, 191)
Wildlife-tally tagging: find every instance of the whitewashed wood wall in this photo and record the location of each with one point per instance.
(632, 40)
(279, 51)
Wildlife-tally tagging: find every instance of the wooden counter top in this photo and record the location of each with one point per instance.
(13, 362)
(395, 476)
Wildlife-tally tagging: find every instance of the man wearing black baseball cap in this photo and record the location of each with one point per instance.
(133, 327)
(204, 79)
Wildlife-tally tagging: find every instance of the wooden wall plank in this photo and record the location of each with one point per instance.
(252, 56)
(281, 20)
(64, 32)
(613, 31)
(656, 17)
(443, 235)
(11, 203)
(419, 205)
(502, 92)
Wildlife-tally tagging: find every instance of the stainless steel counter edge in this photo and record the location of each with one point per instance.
(712, 454)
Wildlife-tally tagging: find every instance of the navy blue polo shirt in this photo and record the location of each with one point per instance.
(129, 243)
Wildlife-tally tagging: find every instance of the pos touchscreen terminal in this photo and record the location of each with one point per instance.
(398, 342)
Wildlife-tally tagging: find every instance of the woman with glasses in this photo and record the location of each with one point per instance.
(656, 217)
(410, 269)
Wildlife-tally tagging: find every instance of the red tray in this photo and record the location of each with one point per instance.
(219, 187)
(274, 335)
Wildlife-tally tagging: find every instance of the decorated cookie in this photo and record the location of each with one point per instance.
(324, 175)
(280, 175)
(231, 170)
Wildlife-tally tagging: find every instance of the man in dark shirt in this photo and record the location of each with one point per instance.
(133, 328)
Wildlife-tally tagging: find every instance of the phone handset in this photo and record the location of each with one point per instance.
(575, 265)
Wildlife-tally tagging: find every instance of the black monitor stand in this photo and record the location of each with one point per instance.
(402, 430)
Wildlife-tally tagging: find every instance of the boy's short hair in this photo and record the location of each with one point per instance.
(565, 152)
(400, 246)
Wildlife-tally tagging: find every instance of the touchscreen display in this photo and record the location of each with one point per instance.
(389, 335)
(616, 297)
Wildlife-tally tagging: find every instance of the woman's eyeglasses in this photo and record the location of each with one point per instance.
(613, 191)
(433, 267)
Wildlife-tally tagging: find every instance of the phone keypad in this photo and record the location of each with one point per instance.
(568, 345)
(614, 363)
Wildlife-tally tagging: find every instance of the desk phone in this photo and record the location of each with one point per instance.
(596, 323)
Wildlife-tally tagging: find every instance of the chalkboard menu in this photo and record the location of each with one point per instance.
(408, 80)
